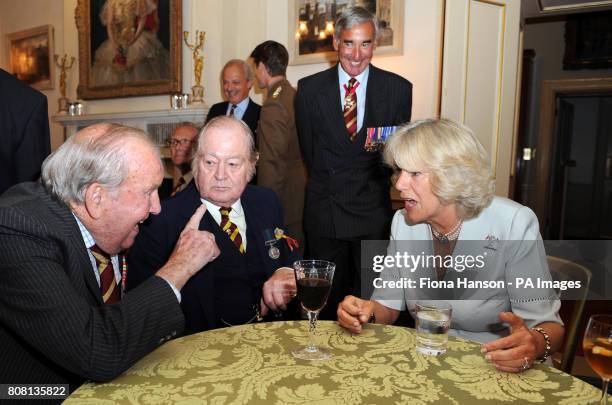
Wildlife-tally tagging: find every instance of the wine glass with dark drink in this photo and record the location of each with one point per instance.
(314, 280)
(597, 346)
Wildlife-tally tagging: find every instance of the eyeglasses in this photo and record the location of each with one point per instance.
(177, 142)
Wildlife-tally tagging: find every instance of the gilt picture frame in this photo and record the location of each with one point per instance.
(30, 56)
(128, 48)
(311, 28)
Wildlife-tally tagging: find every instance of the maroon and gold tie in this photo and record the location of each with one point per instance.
(350, 107)
(230, 228)
(108, 284)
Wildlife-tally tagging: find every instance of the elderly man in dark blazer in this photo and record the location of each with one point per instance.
(251, 275)
(24, 131)
(338, 111)
(237, 81)
(63, 316)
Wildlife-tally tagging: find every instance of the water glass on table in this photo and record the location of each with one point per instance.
(313, 279)
(597, 346)
(433, 319)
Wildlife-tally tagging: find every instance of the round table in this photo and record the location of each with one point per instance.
(252, 364)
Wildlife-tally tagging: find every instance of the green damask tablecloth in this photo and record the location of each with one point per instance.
(253, 364)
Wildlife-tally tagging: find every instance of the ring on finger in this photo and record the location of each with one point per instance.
(525, 365)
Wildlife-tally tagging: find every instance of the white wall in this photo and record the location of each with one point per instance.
(233, 28)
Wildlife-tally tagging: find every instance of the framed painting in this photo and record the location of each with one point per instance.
(30, 56)
(588, 43)
(128, 47)
(311, 28)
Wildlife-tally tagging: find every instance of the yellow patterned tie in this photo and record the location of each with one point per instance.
(230, 228)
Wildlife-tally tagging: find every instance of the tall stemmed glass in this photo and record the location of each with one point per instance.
(314, 280)
(597, 345)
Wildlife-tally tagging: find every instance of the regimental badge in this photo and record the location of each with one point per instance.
(377, 137)
(349, 101)
(292, 243)
(277, 92)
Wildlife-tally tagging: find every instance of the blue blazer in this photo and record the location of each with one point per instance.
(159, 234)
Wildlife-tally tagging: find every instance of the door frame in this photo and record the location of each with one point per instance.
(546, 131)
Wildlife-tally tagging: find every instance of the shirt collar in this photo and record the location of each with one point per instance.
(236, 207)
(243, 104)
(87, 238)
(362, 77)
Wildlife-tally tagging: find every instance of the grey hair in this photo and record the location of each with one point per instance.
(451, 153)
(352, 16)
(96, 154)
(188, 124)
(222, 122)
(248, 74)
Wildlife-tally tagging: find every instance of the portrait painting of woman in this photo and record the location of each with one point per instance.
(132, 52)
(128, 47)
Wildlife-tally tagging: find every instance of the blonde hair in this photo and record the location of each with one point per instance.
(459, 167)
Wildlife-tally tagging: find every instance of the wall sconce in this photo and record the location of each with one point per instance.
(329, 27)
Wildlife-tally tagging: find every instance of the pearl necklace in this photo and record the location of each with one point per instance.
(452, 235)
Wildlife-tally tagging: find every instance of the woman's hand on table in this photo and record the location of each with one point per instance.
(354, 312)
(516, 352)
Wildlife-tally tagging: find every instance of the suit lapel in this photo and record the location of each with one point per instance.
(256, 227)
(205, 278)
(375, 99)
(80, 261)
(329, 101)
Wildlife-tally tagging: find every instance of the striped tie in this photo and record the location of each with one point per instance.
(232, 110)
(230, 228)
(108, 284)
(350, 108)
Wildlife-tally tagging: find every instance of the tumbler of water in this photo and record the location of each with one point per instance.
(433, 319)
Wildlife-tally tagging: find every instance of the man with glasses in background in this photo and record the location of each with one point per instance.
(182, 144)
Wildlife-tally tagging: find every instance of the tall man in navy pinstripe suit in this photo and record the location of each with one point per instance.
(347, 195)
(56, 327)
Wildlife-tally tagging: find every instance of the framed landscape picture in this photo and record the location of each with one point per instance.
(30, 56)
(311, 28)
(129, 47)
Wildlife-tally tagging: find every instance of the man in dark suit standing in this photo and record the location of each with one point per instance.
(280, 165)
(237, 82)
(63, 316)
(251, 275)
(347, 194)
(24, 131)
